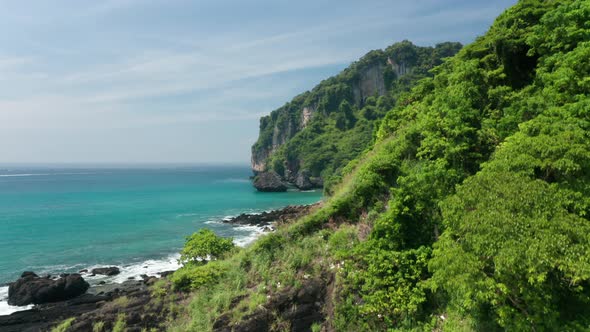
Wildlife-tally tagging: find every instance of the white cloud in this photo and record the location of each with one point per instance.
(147, 75)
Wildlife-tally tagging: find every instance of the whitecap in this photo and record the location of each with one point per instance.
(6, 309)
(254, 233)
(150, 267)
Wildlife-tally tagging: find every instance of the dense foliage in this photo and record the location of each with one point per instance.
(204, 246)
(471, 211)
(342, 123)
(514, 244)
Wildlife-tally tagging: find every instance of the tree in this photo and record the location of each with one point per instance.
(204, 246)
(513, 250)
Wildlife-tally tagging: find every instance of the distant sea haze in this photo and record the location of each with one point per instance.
(55, 220)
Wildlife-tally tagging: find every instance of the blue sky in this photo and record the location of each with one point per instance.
(186, 81)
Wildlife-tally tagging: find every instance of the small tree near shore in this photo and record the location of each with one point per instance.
(204, 246)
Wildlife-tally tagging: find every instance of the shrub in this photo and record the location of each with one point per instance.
(64, 326)
(195, 276)
(204, 245)
(98, 326)
(120, 324)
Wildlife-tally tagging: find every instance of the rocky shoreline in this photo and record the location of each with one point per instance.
(268, 219)
(92, 305)
(56, 299)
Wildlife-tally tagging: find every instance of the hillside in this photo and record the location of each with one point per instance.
(311, 138)
(469, 212)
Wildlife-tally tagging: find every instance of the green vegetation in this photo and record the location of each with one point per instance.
(343, 120)
(204, 246)
(197, 256)
(64, 326)
(98, 327)
(120, 324)
(469, 213)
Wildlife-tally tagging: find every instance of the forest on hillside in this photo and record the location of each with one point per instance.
(470, 212)
(467, 210)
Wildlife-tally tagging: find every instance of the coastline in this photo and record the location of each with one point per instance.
(138, 275)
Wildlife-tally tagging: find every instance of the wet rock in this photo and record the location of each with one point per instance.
(166, 273)
(266, 219)
(269, 182)
(107, 271)
(142, 311)
(31, 289)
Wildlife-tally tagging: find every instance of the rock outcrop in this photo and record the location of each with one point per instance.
(370, 83)
(141, 310)
(292, 309)
(107, 271)
(32, 289)
(303, 180)
(268, 218)
(311, 116)
(269, 182)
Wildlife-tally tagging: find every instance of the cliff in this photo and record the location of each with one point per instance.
(310, 139)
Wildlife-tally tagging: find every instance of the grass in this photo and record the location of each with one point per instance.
(117, 304)
(316, 327)
(271, 264)
(98, 326)
(120, 324)
(295, 252)
(64, 326)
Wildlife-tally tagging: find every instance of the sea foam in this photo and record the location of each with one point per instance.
(150, 267)
(6, 309)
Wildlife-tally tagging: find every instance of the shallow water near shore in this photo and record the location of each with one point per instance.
(55, 220)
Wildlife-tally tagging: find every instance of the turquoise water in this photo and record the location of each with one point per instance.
(61, 220)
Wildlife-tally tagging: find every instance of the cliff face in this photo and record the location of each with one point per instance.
(277, 132)
(349, 102)
(370, 83)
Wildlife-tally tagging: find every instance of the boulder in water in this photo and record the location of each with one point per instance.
(32, 289)
(107, 271)
(269, 182)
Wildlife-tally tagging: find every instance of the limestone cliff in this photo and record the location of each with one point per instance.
(350, 101)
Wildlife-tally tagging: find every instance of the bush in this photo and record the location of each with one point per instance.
(342, 242)
(203, 246)
(64, 326)
(120, 324)
(195, 276)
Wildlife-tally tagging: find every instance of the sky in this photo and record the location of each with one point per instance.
(178, 81)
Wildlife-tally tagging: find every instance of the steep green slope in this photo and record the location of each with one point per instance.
(470, 213)
(312, 137)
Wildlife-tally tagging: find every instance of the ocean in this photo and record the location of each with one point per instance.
(64, 219)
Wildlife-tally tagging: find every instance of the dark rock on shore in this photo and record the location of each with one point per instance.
(166, 273)
(266, 219)
(141, 310)
(42, 317)
(269, 182)
(32, 289)
(107, 271)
